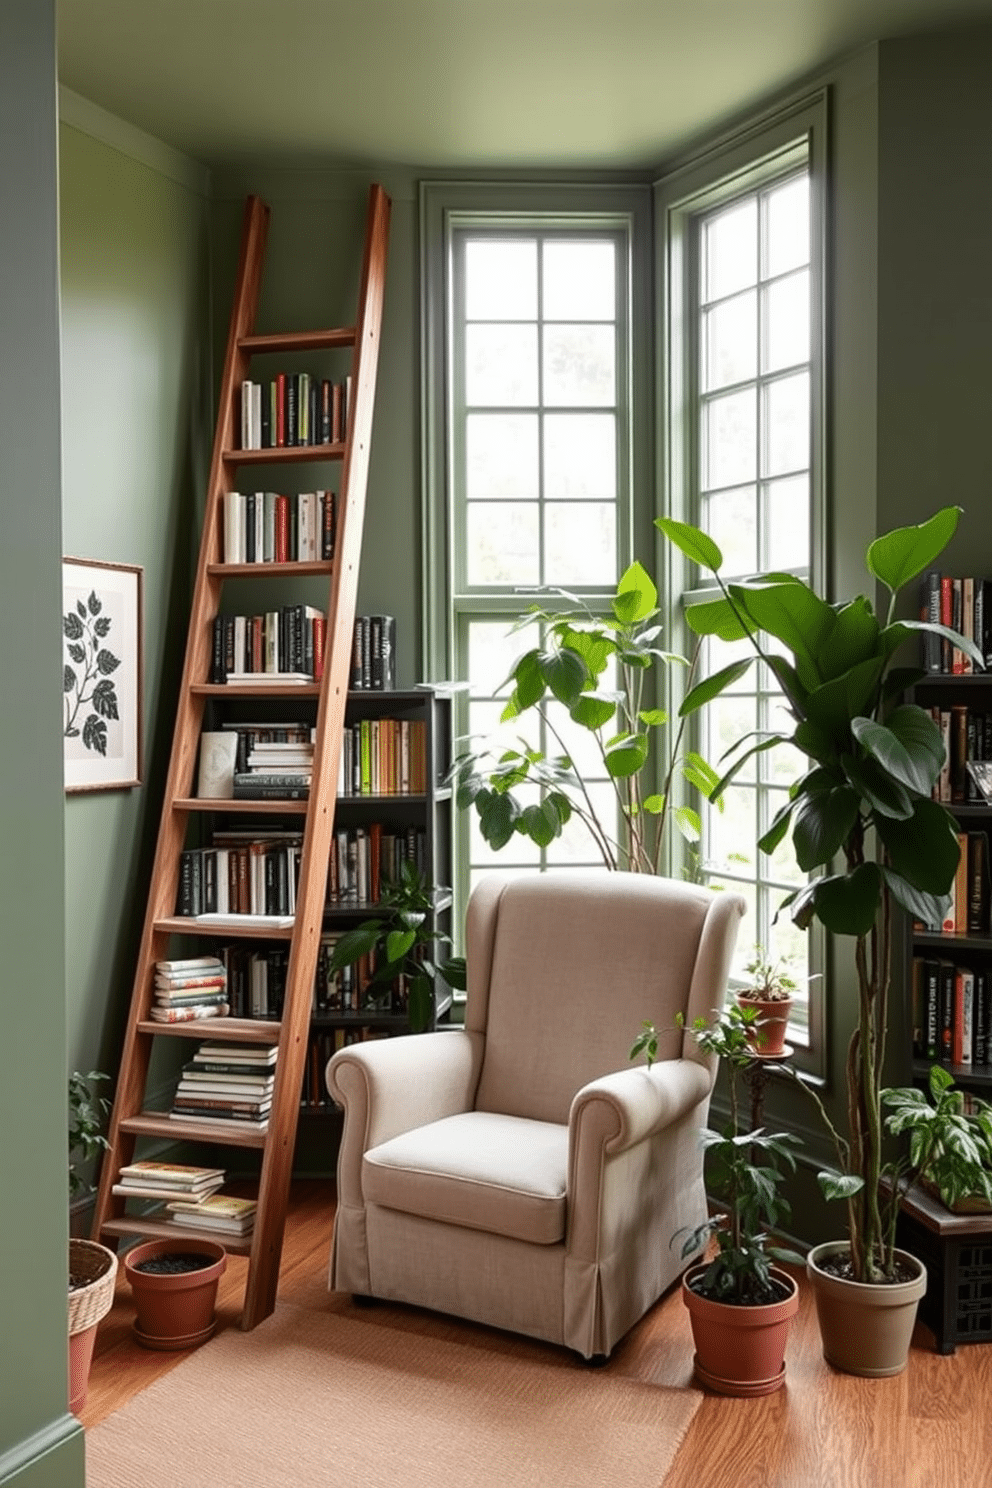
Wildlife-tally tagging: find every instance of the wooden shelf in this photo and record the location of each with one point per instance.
(160, 1124)
(293, 454)
(250, 930)
(238, 808)
(161, 1229)
(342, 336)
(264, 690)
(228, 1030)
(314, 569)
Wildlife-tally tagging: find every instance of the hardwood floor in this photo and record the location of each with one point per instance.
(929, 1426)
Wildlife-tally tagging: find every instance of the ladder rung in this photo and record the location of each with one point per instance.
(291, 454)
(269, 570)
(231, 807)
(160, 1124)
(165, 1230)
(219, 1030)
(298, 341)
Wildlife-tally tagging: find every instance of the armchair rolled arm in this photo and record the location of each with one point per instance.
(623, 1108)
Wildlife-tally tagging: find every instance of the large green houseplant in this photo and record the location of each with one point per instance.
(592, 673)
(864, 799)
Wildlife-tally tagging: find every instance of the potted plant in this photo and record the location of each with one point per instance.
(739, 1303)
(174, 1285)
(865, 798)
(769, 992)
(397, 945)
(950, 1143)
(92, 1267)
(594, 669)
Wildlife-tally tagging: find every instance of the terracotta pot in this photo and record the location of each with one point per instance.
(88, 1303)
(866, 1327)
(768, 1037)
(740, 1350)
(175, 1310)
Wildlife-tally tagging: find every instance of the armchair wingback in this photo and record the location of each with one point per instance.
(519, 1171)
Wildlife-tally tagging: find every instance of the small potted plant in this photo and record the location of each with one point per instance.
(92, 1267)
(769, 992)
(399, 947)
(950, 1143)
(740, 1303)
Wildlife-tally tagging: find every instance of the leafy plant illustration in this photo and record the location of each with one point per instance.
(85, 629)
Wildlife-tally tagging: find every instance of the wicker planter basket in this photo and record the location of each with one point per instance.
(91, 1301)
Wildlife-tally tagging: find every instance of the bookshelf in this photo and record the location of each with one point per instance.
(185, 819)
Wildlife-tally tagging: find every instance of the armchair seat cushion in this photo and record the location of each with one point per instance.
(501, 1174)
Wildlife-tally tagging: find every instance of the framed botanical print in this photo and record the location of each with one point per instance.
(101, 674)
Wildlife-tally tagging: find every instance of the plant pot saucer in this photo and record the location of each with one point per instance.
(786, 1052)
(170, 1343)
(736, 1387)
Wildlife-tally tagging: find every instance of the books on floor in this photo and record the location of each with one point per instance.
(189, 989)
(164, 1180)
(219, 1212)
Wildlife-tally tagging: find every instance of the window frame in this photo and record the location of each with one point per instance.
(741, 162)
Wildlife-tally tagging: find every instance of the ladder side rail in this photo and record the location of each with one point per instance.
(295, 1028)
(136, 1052)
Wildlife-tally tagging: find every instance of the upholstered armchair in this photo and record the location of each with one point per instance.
(520, 1171)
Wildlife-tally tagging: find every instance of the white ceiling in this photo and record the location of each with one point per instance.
(456, 83)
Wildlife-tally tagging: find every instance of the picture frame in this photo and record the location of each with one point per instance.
(102, 664)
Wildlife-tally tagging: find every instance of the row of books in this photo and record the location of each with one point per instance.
(951, 1012)
(968, 912)
(963, 604)
(284, 645)
(373, 654)
(259, 874)
(269, 527)
(314, 1095)
(231, 1084)
(967, 736)
(188, 1196)
(384, 757)
(292, 409)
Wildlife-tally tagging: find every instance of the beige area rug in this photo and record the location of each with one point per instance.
(316, 1400)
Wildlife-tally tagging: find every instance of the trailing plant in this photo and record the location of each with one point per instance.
(88, 1114)
(743, 1174)
(399, 947)
(534, 791)
(865, 798)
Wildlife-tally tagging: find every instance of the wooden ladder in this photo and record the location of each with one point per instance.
(130, 1120)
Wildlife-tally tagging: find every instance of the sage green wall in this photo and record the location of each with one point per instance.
(41, 1446)
(136, 416)
(312, 263)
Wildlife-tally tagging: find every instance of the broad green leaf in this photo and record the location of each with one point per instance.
(832, 706)
(821, 824)
(637, 596)
(883, 795)
(529, 681)
(354, 944)
(853, 639)
(592, 710)
(847, 903)
(626, 755)
(565, 673)
(653, 717)
(541, 823)
(696, 545)
(717, 617)
(924, 848)
(712, 686)
(898, 556)
(839, 1185)
(963, 643)
(813, 741)
(700, 773)
(654, 805)
(734, 770)
(908, 747)
(794, 615)
(594, 647)
(928, 908)
(780, 825)
(398, 942)
(497, 817)
(788, 680)
(688, 823)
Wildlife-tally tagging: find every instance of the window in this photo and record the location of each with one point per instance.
(745, 287)
(530, 450)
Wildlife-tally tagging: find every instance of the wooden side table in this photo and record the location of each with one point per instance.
(957, 1252)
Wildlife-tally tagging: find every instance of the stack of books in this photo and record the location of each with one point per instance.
(189, 989)
(220, 1212)
(163, 1180)
(275, 770)
(227, 1083)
